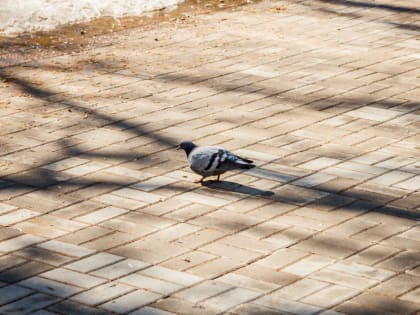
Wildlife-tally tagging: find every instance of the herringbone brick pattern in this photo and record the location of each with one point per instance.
(99, 214)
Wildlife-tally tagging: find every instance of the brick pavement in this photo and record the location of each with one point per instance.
(98, 212)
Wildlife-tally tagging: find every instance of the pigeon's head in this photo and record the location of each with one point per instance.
(187, 146)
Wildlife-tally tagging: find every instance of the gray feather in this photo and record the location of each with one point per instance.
(211, 160)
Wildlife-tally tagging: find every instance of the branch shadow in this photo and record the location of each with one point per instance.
(373, 5)
(369, 5)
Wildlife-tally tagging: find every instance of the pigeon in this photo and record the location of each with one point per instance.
(212, 161)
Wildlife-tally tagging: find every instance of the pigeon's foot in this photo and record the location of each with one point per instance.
(199, 180)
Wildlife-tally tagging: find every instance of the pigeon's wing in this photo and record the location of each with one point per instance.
(229, 161)
(201, 158)
(216, 160)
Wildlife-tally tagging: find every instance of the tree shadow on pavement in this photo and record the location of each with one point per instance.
(360, 14)
(374, 5)
(41, 178)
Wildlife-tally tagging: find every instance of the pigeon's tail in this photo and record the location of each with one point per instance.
(246, 160)
(246, 166)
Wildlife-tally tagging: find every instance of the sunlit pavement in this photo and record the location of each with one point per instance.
(98, 210)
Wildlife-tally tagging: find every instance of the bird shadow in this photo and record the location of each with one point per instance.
(235, 187)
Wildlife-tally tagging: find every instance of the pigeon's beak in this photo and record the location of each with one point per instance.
(178, 147)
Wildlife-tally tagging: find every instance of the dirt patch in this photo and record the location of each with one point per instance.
(101, 31)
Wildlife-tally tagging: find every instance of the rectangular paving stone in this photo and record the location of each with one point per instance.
(120, 268)
(344, 279)
(117, 201)
(150, 311)
(148, 219)
(251, 308)
(361, 270)
(203, 291)
(308, 265)
(154, 183)
(66, 248)
(202, 199)
(58, 223)
(110, 240)
(145, 197)
(391, 178)
(219, 249)
(313, 180)
(72, 277)
(134, 227)
(4, 208)
(281, 258)
(332, 245)
(17, 216)
(176, 231)
(319, 163)
(47, 232)
(70, 307)
(373, 113)
(181, 306)
(230, 298)
(101, 215)
(124, 171)
(412, 296)
(8, 261)
(78, 209)
(330, 296)
(94, 262)
(299, 195)
(43, 312)
(214, 268)
(29, 304)
(50, 287)
(374, 254)
(274, 302)
(397, 285)
(260, 273)
(385, 304)
(410, 184)
(249, 243)
(225, 221)
(102, 293)
(19, 242)
(131, 301)
(353, 226)
(300, 289)
(251, 154)
(174, 276)
(86, 168)
(84, 235)
(402, 261)
(248, 283)
(151, 284)
(13, 292)
(348, 173)
(66, 163)
(301, 220)
(23, 271)
(8, 232)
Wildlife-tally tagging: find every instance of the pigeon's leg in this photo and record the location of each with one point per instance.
(218, 178)
(199, 180)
